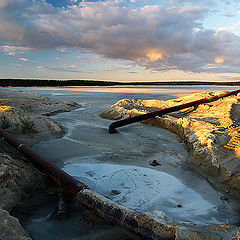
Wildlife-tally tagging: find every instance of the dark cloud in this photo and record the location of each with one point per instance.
(153, 36)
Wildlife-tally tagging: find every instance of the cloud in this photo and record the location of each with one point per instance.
(62, 50)
(24, 59)
(12, 50)
(152, 36)
(228, 15)
(73, 69)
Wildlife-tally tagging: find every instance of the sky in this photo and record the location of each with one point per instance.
(120, 40)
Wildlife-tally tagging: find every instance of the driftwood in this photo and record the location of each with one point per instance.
(130, 219)
(120, 123)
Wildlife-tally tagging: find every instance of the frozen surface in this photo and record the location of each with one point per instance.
(145, 189)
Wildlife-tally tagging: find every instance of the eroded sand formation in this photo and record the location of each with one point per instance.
(211, 131)
(19, 180)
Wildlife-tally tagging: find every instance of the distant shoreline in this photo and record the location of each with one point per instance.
(65, 83)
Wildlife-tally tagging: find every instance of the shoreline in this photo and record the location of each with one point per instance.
(81, 82)
(23, 187)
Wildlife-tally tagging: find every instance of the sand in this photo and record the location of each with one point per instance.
(211, 131)
(19, 180)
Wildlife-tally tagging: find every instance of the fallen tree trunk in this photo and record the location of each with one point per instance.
(130, 219)
(120, 123)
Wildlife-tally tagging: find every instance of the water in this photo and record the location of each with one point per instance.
(118, 165)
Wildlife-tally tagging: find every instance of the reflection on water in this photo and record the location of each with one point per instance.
(176, 91)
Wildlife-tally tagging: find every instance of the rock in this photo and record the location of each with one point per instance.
(17, 177)
(115, 192)
(155, 163)
(211, 131)
(10, 228)
(224, 198)
(179, 205)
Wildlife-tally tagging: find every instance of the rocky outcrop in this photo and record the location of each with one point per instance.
(17, 177)
(10, 228)
(211, 131)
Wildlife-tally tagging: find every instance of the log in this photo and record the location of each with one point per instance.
(127, 121)
(130, 219)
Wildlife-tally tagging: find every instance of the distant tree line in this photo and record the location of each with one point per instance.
(192, 83)
(51, 83)
(62, 83)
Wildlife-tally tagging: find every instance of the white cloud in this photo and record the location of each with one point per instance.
(71, 68)
(152, 36)
(62, 50)
(133, 1)
(12, 50)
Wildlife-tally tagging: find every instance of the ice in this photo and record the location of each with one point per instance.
(145, 189)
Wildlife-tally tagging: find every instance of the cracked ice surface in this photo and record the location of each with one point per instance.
(146, 189)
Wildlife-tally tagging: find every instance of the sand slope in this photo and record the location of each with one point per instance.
(19, 180)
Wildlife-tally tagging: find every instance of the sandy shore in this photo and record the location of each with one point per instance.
(20, 183)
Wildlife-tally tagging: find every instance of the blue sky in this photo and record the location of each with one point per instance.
(120, 40)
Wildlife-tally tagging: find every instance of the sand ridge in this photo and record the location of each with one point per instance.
(211, 131)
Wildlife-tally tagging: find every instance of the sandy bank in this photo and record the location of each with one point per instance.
(211, 131)
(19, 180)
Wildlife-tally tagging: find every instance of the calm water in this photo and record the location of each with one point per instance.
(120, 163)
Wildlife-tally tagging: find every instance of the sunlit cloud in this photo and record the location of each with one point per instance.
(153, 37)
(24, 59)
(219, 60)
